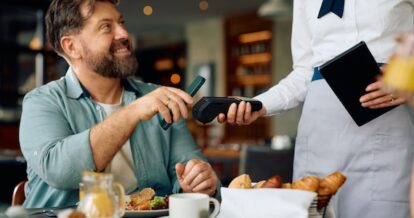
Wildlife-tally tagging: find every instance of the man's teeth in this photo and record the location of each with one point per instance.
(122, 50)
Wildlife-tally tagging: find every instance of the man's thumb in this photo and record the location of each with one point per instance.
(179, 169)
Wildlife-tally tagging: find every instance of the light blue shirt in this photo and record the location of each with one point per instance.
(54, 138)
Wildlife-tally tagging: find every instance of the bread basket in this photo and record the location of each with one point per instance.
(316, 211)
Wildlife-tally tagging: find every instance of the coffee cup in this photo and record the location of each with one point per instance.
(192, 205)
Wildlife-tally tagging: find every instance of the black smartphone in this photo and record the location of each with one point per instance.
(191, 90)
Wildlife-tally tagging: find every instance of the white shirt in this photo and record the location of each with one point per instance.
(315, 41)
(122, 165)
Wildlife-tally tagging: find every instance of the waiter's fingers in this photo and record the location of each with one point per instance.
(221, 118)
(241, 108)
(248, 112)
(231, 113)
(372, 96)
(392, 102)
(383, 99)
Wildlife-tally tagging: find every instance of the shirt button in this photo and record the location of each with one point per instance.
(98, 108)
(35, 153)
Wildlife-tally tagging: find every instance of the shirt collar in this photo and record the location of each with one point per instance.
(75, 89)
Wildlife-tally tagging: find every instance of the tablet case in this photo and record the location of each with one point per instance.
(348, 74)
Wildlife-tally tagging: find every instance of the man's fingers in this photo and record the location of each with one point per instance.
(179, 169)
(199, 178)
(180, 106)
(196, 176)
(164, 111)
(189, 166)
(183, 95)
(204, 185)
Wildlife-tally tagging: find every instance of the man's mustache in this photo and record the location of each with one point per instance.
(122, 43)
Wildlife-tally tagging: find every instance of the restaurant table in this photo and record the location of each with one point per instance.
(53, 212)
(46, 212)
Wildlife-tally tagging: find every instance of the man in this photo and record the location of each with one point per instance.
(97, 119)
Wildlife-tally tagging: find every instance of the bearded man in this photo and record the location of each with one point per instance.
(97, 118)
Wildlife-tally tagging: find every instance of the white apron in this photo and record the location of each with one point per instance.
(376, 157)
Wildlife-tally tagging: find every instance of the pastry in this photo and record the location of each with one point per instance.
(243, 181)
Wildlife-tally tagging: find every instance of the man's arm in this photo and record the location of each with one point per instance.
(58, 154)
(107, 137)
(50, 146)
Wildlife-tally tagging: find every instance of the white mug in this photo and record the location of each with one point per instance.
(191, 205)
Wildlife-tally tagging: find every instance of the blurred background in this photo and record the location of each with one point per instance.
(242, 47)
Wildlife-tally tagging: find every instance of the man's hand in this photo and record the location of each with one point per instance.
(162, 100)
(197, 176)
(241, 114)
(379, 98)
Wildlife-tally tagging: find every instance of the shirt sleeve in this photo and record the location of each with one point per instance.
(291, 90)
(51, 148)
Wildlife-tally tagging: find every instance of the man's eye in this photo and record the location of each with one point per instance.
(105, 26)
(122, 22)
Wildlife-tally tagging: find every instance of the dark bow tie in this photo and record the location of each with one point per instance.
(335, 6)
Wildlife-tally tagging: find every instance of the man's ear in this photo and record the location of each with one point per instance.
(70, 47)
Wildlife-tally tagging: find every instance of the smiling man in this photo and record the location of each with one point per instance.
(99, 119)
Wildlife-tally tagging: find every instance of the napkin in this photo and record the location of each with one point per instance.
(264, 203)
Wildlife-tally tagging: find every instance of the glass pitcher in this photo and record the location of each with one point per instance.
(100, 196)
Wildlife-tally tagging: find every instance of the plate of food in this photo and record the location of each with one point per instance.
(146, 204)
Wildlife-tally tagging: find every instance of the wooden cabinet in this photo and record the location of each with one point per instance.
(249, 69)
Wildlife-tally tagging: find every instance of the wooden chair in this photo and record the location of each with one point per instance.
(18, 194)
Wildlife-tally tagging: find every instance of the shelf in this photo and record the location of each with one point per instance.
(254, 80)
(249, 69)
(221, 153)
(255, 37)
(253, 59)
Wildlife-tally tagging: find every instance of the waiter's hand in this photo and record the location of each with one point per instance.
(197, 176)
(241, 115)
(379, 98)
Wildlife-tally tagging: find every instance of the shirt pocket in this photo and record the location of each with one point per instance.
(392, 163)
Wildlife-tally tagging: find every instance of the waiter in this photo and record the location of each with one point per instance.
(377, 156)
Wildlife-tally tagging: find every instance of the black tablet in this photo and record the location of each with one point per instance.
(348, 75)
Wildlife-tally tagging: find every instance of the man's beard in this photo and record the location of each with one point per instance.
(108, 65)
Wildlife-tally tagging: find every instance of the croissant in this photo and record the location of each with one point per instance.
(307, 183)
(273, 182)
(331, 183)
(243, 181)
(287, 185)
(328, 187)
(260, 184)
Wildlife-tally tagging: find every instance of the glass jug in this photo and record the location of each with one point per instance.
(100, 196)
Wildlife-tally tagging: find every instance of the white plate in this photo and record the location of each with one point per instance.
(146, 213)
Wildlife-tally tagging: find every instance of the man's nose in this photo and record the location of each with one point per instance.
(121, 32)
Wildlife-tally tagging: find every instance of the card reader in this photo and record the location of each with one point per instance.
(208, 108)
